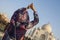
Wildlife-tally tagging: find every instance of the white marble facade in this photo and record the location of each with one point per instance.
(43, 33)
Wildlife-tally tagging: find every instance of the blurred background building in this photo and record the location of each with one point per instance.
(42, 33)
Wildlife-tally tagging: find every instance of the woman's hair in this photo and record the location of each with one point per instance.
(22, 11)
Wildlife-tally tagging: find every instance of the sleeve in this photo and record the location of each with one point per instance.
(6, 36)
(33, 22)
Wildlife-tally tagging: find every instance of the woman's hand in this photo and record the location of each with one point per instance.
(32, 7)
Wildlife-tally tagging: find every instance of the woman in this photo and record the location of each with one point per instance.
(20, 23)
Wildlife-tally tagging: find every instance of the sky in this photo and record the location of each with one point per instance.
(48, 11)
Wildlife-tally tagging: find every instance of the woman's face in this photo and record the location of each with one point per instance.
(23, 17)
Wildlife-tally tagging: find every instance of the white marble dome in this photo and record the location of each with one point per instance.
(47, 27)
